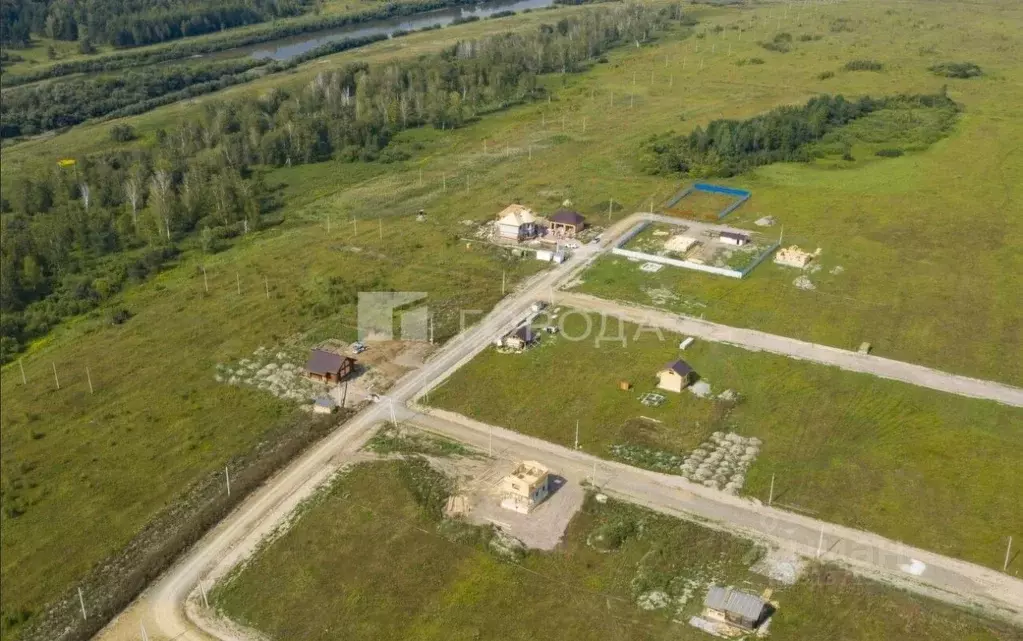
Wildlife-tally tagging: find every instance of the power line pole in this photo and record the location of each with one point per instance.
(576, 433)
(238, 283)
(266, 285)
(1008, 551)
(503, 279)
(770, 497)
(21, 366)
(145, 636)
(202, 589)
(820, 543)
(81, 601)
(88, 377)
(227, 480)
(205, 283)
(55, 379)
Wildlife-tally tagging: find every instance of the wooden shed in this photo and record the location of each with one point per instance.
(676, 376)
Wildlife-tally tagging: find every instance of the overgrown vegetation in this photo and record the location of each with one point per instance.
(729, 147)
(863, 65)
(398, 440)
(61, 229)
(957, 70)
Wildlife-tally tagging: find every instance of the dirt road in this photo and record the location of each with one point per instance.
(793, 348)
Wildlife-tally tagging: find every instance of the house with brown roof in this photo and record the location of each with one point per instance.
(566, 223)
(328, 367)
(676, 376)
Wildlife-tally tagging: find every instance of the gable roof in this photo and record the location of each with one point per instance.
(516, 215)
(321, 362)
(680, 367)
(567, 217)
(746, 605)
(525, 333)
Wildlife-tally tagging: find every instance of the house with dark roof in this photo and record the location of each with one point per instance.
(521, 338)
(566, 223)
(736, 608)
(328, 367)
(676, 376)
(733, 238)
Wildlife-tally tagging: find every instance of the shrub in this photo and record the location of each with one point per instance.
(888, 153)
(863, 65)
(122, 133)
(824, 75)
(957, 70)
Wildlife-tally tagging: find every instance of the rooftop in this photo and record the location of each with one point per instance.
(744, 604)
(567, 217)
(516, 214)
(680, 367)
(321, 362)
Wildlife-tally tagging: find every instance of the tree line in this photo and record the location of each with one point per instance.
(26, 111)
(129, 23)
(729, 147)
(74, 236)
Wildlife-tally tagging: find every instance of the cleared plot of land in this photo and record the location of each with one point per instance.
(931, 469)
(371, 559)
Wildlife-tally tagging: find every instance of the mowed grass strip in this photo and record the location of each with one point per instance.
(934, 470)
(367, 561)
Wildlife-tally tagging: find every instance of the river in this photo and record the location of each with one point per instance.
(286, 48)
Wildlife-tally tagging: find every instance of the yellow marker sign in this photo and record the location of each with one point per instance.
(66, 162)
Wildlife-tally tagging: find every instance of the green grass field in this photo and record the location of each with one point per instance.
(367, 560)
(916, 465)
(926, 240)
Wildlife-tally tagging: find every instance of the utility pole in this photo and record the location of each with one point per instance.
(21, 366)
(266, 285)
(205, 283)
(576, 433)
(145, 636)
(770, 496)
(55, 379)
(88, 377)
(202, 589)
(238, 283)
(503, 275)
(381, 221)
(431, 329)
(820, 543)
(610, 204)
(227, 480)
(490, 448)
(81, 601)
(1008, 551)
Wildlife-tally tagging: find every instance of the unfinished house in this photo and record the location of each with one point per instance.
(521, 338)
(328, 367)
(517, 223)
(733, 238)
(793, 257)
(526, 487)
(741, 611)
(676, 376)
(566, 223)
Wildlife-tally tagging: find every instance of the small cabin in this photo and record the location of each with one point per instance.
(676, 376)
(517, 223)
(328, 367)
(736, 608)
(566, 223)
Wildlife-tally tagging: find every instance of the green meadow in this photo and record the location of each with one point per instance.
(371, 559)
(931, 469)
